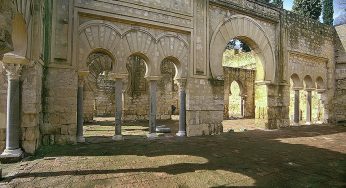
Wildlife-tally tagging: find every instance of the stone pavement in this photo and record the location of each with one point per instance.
(307, 156)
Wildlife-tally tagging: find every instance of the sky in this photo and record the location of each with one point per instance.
(338, 8)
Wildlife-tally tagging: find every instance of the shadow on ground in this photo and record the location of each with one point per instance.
(260, 155)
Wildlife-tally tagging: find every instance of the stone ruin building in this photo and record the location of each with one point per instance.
(64, 62)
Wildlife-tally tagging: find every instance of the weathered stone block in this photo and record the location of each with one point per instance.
(65, 139)
(29, 146)
(29, 120)
(30, 133)
(2, 134)
(2, 145)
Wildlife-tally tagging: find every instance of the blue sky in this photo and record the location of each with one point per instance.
(338, 8)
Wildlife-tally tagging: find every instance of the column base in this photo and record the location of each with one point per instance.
(295, 124)
(11, 156)
(181, 133)
(308, 123)
(152, 136)
(117, 137)
(80, 139)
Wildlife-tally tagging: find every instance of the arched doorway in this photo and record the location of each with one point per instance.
(98, 96)
(256, 39)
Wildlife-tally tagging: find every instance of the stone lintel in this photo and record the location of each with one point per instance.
(297, 88)
(153, 78)
(309, 89)
(11, 58)
(320, 90)
(264, 82)
(115, 76)
(284, 84)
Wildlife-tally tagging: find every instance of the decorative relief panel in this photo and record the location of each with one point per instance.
(61, 30)
(140, 12)
(122, 40)
(181, 6)
(219, 14)
(200, 33)
(254, 7)
(303, 65)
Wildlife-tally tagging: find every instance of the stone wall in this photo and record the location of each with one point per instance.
(60, 106)
(246, 80)
(204, 104)
(3, 103)
(339, 99)
(310, 46)
(31, 107)
(182, 31)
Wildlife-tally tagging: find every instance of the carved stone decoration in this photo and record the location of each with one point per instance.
(13, 71)
(250, 32)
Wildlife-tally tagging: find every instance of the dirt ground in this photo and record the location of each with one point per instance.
(306, 156)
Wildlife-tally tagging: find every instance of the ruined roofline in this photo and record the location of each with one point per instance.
(302, 22)
(262, 3)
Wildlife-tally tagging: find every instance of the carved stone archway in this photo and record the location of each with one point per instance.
(249, 31)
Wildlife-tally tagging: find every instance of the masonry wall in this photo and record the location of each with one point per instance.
(3, 102)
(339, 99)
(60, 120)
(310, 52)
(246, 80)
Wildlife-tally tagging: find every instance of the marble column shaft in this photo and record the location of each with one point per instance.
(308, 107)
(182, 110)
(152, 106)
(80, 119)
(13, 123)
(118, 106)
(296, 106)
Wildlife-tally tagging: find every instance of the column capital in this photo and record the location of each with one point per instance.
(13, 65)
(181, 83)
(81, 77)
(13, 71)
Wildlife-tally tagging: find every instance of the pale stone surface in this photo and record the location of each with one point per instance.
(190, 34)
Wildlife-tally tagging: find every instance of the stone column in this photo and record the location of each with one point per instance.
(80, 119)
(182, 110)
(118, 108)
(321, 109)
(242, 106)
(13, 65)
(308, 107)
(152, 106)
(296, 106)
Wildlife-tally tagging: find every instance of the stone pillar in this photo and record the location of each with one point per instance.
(182, 110)
(242, 106)
(296, 106)
(152, 106)
(13, 65)
(118, 108)
(308, 107)
(321, 109)
(80, 119)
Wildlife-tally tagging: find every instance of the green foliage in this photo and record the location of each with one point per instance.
(244, 47)
(309, 8)
(328, 12)
(278, 3)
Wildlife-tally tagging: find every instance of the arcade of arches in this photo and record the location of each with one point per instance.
(66, 62)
